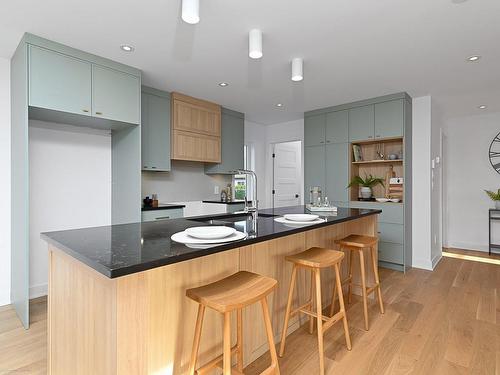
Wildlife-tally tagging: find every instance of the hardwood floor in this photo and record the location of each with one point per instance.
(441, 322)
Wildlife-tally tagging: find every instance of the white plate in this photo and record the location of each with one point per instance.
(182, 237)
(282, 220)
(382, 200)
(395, 200)
(300, 217)
(210, 232)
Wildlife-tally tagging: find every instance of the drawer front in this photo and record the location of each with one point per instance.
(154, 215)
(232, 208)
(390, 252)
(393, 233)
(391, 213)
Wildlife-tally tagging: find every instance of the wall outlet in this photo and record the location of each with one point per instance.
(216, 189)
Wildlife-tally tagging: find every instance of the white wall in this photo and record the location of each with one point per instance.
(467, 171)
(4, 181)
(263, 137)
(186, 181)
(436, 186)
(70, 187)
(421, 200)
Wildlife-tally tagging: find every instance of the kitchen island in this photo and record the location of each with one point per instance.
(117, 300)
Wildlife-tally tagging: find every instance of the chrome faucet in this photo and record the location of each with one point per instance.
(254, 207)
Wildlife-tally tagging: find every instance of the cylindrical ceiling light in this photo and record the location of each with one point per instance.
(191, 11)
(297, 69)
(255, 44)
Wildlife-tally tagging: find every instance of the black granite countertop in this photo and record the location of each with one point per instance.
(165, 206)
(232, 202)
(119, 250)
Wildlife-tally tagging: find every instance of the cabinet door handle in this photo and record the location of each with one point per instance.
(98, 113)
(162, 217)
(370, 136)
(85, 110)
(327, 141)
(321, 141)
(378, 136)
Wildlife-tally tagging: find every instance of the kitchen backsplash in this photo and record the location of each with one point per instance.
(186, 181)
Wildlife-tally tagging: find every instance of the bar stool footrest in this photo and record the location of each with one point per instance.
(216, 362)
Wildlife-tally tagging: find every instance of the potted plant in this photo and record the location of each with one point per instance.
(495, 197)
(366, 184)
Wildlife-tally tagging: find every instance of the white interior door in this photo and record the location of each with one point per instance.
(287, 179)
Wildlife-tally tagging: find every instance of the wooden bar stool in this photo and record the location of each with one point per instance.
(359, 243)
(314, 259)
(232, 293)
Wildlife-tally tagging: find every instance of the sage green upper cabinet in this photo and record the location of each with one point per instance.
(361, 123)
(337, 127)
(115, 95)
(314, 130)
(155, 130)
(337, 172)
(314, 167)
(389, 120)
(232, 143)
(59, 82)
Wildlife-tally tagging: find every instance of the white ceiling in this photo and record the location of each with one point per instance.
(352, 49)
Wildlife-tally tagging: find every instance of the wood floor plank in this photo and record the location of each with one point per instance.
(442, 322)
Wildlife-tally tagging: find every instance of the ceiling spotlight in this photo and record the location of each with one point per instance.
(255, 44)
(126, 48)
(297, 69)
(279, 105)
(223, 84)
(191, 11)
(482, 106)
(473, 58)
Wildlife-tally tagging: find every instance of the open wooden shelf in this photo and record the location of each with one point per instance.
(378, 161)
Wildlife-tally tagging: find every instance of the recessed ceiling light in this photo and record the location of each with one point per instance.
(473, 58)
(482, 106)
(279, 105)
(126, 48)
(223, 84)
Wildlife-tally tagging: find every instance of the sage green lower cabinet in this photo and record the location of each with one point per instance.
(232, 208)
(314, 167)
(232, 143)
(59, 82)
(115, 95)
(361, 123)
(155, 130)
(166, 214)
(391, 253)
(389, 119)
(337, 172)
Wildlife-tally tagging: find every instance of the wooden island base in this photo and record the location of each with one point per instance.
(144, 324)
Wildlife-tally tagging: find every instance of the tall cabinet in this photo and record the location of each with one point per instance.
(56, 83)
(378, 126)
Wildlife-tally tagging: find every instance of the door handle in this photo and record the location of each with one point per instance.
(98, 113)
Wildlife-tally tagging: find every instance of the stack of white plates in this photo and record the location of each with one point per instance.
(201, 237)
(299, 219)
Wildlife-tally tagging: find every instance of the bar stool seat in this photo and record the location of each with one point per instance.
(358, 243)
(232, 293)
(315, 259)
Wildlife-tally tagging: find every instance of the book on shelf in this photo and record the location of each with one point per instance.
(356, 151)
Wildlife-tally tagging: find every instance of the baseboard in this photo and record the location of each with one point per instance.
(436, 260)
(38, 291)
(466, 246)
(424, 264)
